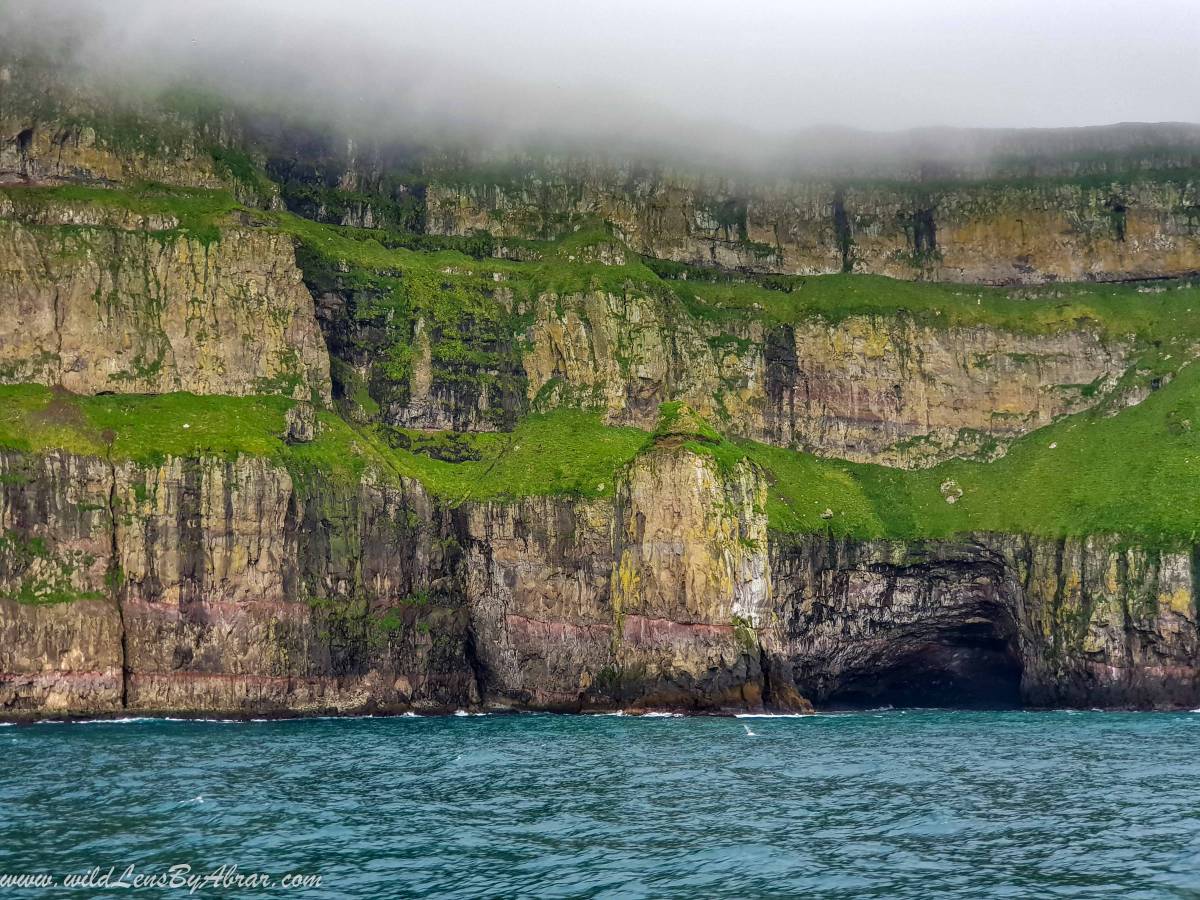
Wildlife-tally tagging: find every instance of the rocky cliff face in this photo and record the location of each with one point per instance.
(204, 585)
(871, 389)
(211, 585)
(1087, 204)
(894, 392)
(57, 152)
(55, 127)
(1006, 231)
(109, 300)
(253, 577)
(650, 599)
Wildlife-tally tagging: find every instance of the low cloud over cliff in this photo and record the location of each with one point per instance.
(721, 77)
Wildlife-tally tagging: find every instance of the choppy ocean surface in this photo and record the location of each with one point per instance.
(871, 804)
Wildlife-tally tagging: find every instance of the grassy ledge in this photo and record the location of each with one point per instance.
(1135, 473)
(564, 453)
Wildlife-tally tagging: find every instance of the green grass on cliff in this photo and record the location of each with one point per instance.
(1150, 311)
(1135, 472)
(560, 267)
(198, 212)
(146, 429)
(566, 452)
(140, 427)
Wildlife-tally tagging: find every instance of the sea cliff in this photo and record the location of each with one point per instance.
(289, 430)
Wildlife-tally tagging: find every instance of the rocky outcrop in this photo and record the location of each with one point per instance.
(890, 391)
(60, 631)
(59, 151)
(651, 599)
(452, 388)
(456, 367)
(98, 306)
(57, 126)
(624, 353)
(881, 389)
(1003, 231)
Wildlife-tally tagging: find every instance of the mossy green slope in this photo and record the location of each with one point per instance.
(196, 212)
(1135, 473)
(567, 452)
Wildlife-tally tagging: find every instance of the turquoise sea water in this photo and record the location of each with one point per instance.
(872, 804)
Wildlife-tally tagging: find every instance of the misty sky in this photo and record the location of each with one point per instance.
(646, 68)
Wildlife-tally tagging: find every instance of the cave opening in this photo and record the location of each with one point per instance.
(970, 665)
(924, 232)
(24, 141)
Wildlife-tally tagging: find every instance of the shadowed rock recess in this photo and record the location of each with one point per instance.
(288, 428)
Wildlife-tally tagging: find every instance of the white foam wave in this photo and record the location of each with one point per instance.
(777, 715)
(805, 715)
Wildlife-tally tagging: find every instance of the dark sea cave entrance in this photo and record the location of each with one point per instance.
(973, 664)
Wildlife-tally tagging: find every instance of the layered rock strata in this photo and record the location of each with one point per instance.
(206, 586)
